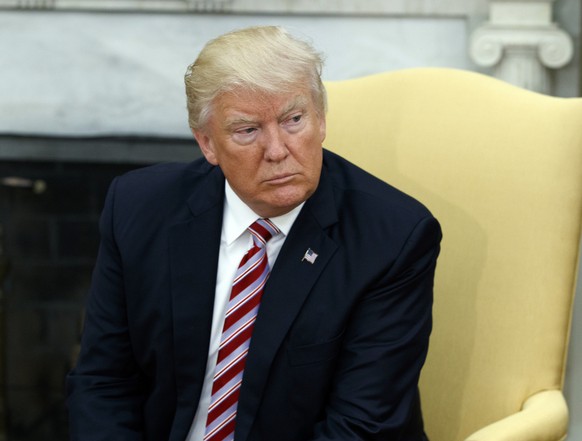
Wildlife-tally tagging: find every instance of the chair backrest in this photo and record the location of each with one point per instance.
(501, 168)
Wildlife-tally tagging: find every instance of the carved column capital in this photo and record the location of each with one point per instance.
(553, 46)
(521, 43)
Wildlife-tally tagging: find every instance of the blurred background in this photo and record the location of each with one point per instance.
(92, 88)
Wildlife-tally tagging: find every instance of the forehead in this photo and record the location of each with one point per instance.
(248, 103)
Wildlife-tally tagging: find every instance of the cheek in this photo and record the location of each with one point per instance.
(243, 168)
(315, 154)
(316, 167)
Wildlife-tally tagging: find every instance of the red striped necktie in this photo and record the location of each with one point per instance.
(241, 313)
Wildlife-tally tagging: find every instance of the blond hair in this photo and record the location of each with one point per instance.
(263, 59)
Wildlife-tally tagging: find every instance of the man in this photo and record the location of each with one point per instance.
(339, 266)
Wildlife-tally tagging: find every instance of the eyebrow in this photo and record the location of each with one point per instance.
(298, 102)
(237, 121)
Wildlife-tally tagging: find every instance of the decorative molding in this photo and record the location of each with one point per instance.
(317, 7)
(553, 46)
(115, 149)
(521, 43)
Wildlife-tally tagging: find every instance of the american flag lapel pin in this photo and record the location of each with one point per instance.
(310, 256)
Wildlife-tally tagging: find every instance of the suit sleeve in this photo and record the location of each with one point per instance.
(374, 394)
(105, 392)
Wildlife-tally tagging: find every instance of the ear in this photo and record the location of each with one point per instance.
(206, 145)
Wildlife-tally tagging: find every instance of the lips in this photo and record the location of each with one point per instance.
(281, 179)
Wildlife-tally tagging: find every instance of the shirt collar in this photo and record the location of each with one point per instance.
(238, 216)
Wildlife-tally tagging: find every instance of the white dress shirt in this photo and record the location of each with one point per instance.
(235, 241)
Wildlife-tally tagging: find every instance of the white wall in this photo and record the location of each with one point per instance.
(83, 73)
(568, 14)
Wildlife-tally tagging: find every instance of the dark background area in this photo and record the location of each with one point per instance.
(50, 240)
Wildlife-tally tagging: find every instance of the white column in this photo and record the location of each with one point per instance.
(521, 43)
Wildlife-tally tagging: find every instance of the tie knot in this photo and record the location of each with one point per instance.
(263, 230)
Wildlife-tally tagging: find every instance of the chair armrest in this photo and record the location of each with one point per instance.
(544, 417)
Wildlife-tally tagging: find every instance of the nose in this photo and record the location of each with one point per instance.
(274, 144)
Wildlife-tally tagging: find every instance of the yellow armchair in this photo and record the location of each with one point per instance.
(501, 168)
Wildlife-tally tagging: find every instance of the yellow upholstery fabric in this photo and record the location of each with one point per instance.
(544, 416)
(501, 168)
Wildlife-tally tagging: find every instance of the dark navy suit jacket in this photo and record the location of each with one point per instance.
(338, 344)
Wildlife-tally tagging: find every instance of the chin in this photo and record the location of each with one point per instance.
(282, 200)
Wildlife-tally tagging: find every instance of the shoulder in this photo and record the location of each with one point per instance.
(160, 183)
(359, 192)
(160, 193)
(153, 177)
(376, 219)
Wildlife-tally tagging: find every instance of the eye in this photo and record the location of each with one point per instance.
(295, 118)
(246, 131)
(244, 135)
(295, 123)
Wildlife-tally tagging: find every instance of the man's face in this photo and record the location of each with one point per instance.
(269, 147)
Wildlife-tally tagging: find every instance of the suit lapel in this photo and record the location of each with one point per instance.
(288, 286)
(194, 248)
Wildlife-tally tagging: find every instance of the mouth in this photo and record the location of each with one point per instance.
(281, 179)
